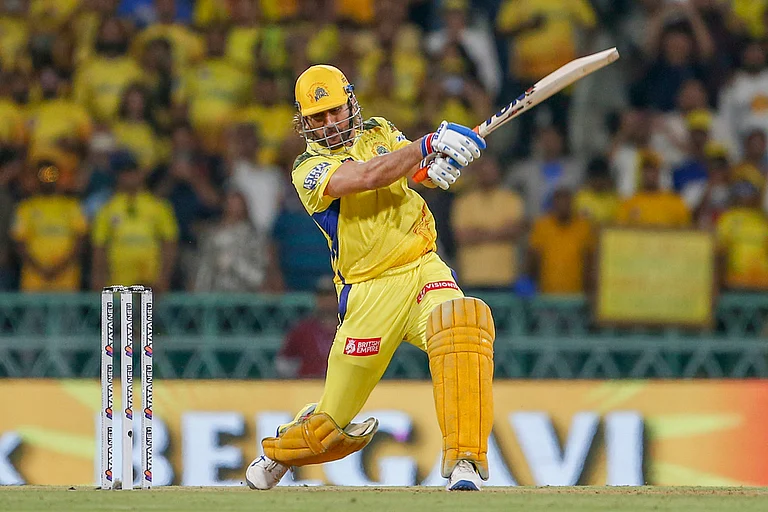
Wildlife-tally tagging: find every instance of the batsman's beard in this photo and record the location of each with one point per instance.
(336, 135)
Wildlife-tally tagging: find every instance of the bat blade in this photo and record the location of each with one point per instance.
(548, 87)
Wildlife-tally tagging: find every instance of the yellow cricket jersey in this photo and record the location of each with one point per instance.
(372, 231)
(599, 207)
(274, 124)
(12, 123)
(140, 139)
(49, 226)
(132, 228)
(240, 47)
(743, 234)
(14, 35)
(188, 48)
(100, 83)
(54, 119)
(654, 209)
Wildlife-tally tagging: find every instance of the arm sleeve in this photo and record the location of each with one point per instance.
(395, 137)
(310, 178)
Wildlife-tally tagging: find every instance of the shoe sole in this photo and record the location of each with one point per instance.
(464, 485)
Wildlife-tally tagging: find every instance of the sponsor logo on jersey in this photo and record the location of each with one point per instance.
(436, 285)
(362, 346)
(381, 150)
(315, 175)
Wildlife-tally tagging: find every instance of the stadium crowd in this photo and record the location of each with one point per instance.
(151, 141)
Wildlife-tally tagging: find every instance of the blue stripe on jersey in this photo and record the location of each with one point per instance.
(328, 220)
(343, 298)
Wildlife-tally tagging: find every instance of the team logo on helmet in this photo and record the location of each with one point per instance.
(320, 93)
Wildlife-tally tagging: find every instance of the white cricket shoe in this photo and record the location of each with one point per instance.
(264, 473)
(464, 477)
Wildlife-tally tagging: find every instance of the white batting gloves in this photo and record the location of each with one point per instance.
(444, 171)
(455, 141)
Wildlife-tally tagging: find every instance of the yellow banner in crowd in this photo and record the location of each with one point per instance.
(545, 433)
(656, 277)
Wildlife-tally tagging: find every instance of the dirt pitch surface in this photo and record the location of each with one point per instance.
(388, 499)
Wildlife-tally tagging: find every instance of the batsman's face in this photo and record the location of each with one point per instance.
(332, 128)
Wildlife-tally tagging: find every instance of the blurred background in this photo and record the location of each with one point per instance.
(618, 230)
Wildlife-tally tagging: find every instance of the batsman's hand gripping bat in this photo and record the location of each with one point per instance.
(540, 91)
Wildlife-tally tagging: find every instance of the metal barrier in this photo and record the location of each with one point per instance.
(237, 336)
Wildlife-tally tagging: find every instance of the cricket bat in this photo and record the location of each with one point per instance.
(540, 91)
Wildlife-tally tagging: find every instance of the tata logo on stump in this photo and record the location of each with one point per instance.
(362, 346)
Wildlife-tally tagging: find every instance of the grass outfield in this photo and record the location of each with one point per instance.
(528, 499)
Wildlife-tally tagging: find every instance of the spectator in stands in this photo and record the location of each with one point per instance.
(134, 235)
(744, 101)
(13, 129)
(244, 34)
(597, 200)
(188, 47)
(708, 200)
(100, 82)
(694, 166)
(548, 170)
(60, 128)
(742, 236)
(193, 188)
(670, 135)
(651, 206)
(754, 165)
(475, 46)
(304, 354)
(235, 256)
(260, 184)
(14, 34)
(213, 90)
(488, 222)
(271, 112)
(11, 165)
(560, 248)
(382, 100)
(542, 36)
(631, 140)
(98, 180)
(49, 229)
(161, 80)
(86, 25)
(679, 48)
(134, 128)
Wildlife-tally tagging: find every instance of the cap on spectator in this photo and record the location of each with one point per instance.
(699, 119)
(325, 284)
(648, 158)
(122, 161)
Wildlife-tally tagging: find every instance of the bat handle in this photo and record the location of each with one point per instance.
(421, 174)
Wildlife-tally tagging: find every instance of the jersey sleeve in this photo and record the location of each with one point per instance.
(394, 136)
(310, 178)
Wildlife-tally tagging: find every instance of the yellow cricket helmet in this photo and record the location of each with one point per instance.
(320, 88)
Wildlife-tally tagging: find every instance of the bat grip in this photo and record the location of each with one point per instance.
(421, 174)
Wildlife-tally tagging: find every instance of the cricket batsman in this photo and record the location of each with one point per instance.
(391, 284)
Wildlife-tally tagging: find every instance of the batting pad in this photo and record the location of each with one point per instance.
(318, 439)
(460, 336)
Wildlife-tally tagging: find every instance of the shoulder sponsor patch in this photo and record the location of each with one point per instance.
(315, 175)
(362, 346)
(435, 285)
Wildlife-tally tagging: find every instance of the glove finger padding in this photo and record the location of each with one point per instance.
(444, 171)
(318, 439)
(457, 142)
(460, 336)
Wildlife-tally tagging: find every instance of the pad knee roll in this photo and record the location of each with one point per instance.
(318, 439)
(460, 336)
